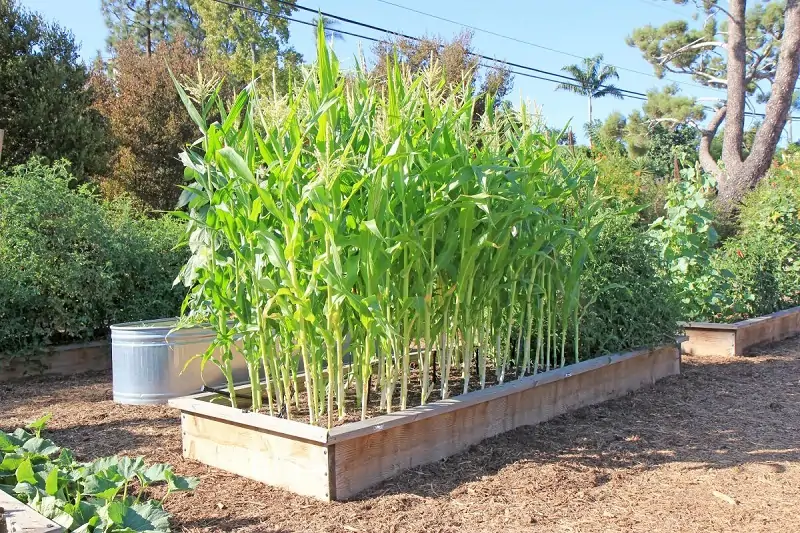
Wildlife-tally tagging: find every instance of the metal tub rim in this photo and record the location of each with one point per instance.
(158, 331)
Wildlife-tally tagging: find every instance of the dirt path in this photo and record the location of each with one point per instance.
(665, 459)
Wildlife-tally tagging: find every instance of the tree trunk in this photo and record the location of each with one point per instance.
(590, 122)
(741, 176)
(737, 64)
(149, 28)
(706, 137)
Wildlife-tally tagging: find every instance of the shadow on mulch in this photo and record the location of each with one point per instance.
(717, 415)
(110, 438)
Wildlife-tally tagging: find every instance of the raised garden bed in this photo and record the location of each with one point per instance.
(708, 338)
(339, 463)
(61, 361)
(19, 518)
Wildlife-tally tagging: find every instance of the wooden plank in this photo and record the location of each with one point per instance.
(22, 519)
(708, 325)
(62, 361)
(293, 464)
(383, 422)
(290, 428)
(707, 338)
(705, 341)
(374, 456)
(769, 328)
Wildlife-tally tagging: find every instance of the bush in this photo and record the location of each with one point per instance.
(70, 266)
(630, 181)
(685, 238)
(630, 304)
(764, 257)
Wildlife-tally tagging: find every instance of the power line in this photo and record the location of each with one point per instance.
(535, 45)
(632, 94)
(627, 93)
(417, 39)
(660, 6)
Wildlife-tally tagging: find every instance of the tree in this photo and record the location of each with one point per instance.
(456, 60)
(612, 130)
(148, 121)
(45, 106)
(149, 22)
(668, 106)
(591, 80)
(735, 49)
(670, 145)
(249, 40)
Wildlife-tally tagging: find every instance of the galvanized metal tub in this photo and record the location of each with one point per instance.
(149, 362)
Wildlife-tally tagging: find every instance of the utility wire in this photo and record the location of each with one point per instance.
(375, 40)
(535, 45)
(627, 94)
(417, 39)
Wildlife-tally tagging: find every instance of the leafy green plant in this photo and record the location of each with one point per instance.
(630, 302)
(389, 216)
(71, 265)
(106, 495)
(686, 237)
(764, 256)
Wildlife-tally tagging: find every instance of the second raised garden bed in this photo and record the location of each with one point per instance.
(708, 338)
(339, 463)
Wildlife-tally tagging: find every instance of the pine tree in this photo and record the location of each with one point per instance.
(150, 22)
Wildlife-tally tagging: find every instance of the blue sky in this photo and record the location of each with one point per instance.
(579, 27)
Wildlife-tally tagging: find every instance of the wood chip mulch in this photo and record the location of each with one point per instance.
(716, 449)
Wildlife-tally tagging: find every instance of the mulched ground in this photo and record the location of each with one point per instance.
(716, 449)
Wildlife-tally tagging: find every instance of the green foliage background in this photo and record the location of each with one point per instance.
(70, 266)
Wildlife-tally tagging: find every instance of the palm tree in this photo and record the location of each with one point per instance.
(592, 80)
(329, 26)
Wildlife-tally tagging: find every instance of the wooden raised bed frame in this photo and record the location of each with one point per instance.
(60, 361)
(708, 338)
(339, 463)
(19, 518)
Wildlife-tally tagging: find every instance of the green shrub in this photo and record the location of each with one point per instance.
(764, 257)
(685, 237)
(630, 303)
(70, 266)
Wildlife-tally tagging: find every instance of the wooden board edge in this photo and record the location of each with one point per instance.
(379, 423)
(287, 428)
(313, 481)
(96, 358)
(22, 518)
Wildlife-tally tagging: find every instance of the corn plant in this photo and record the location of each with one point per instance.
(381, 225)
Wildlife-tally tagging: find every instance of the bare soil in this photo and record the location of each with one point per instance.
(716, 449)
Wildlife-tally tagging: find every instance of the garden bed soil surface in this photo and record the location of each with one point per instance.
(713, 450)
